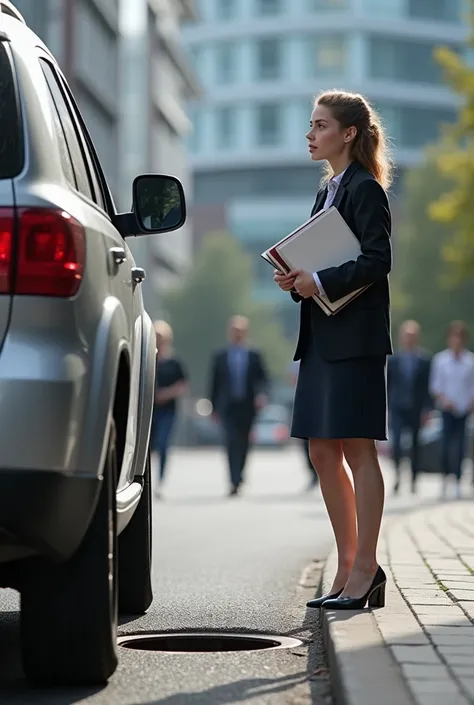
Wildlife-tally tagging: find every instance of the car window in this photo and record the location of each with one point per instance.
(69, 131)
(64, 153)
(11, 134)
(96, 175)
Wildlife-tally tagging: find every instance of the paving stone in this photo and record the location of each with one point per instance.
(457, 655)
(430, 699)
(427, 597)
(457, 619)
(434, 686)
(461, 641)
(462, 671)
(415, 654)
(424, 671)
(462, 595)
(442, 630)
(468, 684)
(439, 610)
(468, 607)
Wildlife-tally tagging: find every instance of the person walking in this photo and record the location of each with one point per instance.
(409, 399)
(452, 385)
(170, 384)
(239, 388)
(340, 402)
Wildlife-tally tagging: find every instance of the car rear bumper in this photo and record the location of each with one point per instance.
(47, 512)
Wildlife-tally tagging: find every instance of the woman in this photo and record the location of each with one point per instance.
(171, 384)
(340, 399)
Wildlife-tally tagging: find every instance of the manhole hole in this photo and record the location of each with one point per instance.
(206, 642)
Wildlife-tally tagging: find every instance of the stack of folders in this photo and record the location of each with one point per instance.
(325, 240)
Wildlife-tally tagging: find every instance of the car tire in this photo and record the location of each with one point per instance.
(135, 555)
(69, 611)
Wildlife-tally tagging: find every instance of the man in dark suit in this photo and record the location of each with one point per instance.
(408, 376)
(239, 387)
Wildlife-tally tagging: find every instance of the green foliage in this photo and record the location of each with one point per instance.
(421, 289)
(218, 287)
(455, 163)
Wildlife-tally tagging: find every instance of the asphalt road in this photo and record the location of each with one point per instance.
(219, 564)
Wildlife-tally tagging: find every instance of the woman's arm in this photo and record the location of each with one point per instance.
(174, 391)
(373, 225)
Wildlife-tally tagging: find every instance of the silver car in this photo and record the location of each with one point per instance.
(77, 366)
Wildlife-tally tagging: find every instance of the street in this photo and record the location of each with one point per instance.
(219, 563)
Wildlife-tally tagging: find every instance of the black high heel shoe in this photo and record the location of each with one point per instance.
(318, 601)
(375, 596)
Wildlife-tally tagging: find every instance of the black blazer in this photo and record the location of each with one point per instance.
(421, 400)
(221, 382)
(362, 328)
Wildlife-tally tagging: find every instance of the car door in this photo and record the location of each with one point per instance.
(123, 280)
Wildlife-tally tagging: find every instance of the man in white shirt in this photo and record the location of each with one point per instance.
(452, 385)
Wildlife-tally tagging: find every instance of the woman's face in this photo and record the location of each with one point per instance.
(327, 139)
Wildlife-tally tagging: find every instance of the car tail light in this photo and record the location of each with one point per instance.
(281, 432)
(51, 253)
(7, 220)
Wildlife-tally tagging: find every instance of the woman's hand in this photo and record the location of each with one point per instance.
(285, 281)
(304, 283)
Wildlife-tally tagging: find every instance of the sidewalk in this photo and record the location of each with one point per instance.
(420, 647)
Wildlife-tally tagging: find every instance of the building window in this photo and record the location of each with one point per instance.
(225, 9)
(329, 56)
(268, 59)
(225, 63)
(412, 127)
(268, 7)
(269, 124)
(443, 10)
(402, 60)
(225, 127)
(328, 5)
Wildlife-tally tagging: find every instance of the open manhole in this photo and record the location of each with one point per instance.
(206, 642)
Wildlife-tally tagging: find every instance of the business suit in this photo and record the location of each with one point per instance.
(343, 356)
(235, 408)
(408, 378)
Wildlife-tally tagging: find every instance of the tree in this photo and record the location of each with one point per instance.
(420, 287)
(455, 162)
(218, 287)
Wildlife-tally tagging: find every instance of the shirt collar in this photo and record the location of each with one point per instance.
(337, 179)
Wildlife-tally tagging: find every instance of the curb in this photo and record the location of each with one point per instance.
(363, 671)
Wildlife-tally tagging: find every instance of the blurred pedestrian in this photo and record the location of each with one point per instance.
(239, 388)
(340, 401)
(171, 384)
(452, 385)
(409, 399)
(313, 481)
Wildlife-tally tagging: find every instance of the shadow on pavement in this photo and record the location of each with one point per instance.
(235, 692)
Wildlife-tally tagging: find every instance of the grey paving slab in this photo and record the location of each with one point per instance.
(415, 654)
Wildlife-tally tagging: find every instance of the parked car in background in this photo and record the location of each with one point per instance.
(272, 427)
(77, 366)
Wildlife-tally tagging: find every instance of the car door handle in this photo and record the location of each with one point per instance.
(138, 274)
(118, 255)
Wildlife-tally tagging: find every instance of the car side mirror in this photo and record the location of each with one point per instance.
(159, 206)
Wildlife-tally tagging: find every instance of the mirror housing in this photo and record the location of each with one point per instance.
(159, 206)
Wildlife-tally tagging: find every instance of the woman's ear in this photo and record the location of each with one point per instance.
(351, 134)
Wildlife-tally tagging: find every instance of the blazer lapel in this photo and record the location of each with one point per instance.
(320, 199)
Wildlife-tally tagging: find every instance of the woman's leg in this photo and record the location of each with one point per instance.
(336, 488)
(165, 427)
(361, 455)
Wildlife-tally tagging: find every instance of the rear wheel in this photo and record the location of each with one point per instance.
(135, 548)
(69, 611)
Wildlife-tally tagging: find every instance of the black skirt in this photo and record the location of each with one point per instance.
(340, 399)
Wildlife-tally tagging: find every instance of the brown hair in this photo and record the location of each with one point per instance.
(370, 147)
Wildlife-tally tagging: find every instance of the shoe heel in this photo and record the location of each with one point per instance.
(377, 598)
